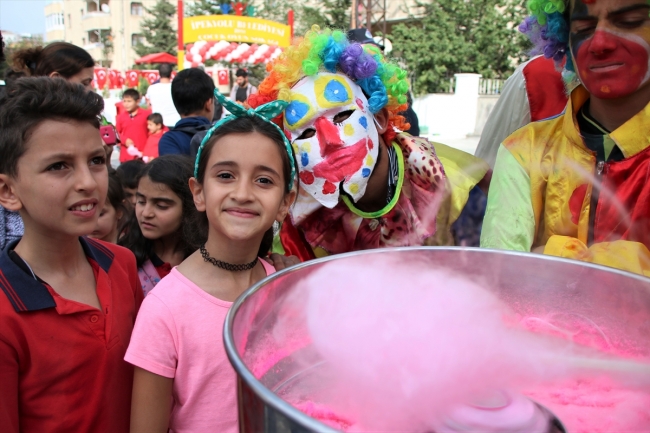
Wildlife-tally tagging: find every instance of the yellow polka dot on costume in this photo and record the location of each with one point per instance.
(348, 130)
(369, 161)
(354, 188)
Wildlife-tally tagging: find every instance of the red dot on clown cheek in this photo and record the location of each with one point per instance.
(307, 177)
(329, 188)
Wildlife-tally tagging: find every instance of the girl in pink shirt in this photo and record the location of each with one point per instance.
(242, 184)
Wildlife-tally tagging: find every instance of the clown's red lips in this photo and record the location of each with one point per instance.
(611, 65)
(342, 162)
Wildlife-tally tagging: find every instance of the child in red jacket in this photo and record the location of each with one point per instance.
(156, 129)
(132, 126)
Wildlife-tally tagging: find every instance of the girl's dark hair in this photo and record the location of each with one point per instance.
(66, 59)
(241, 125)
(116, 197)
(175, 172)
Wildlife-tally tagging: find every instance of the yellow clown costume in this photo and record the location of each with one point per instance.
(550, 192)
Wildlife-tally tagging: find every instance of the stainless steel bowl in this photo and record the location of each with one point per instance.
(264, 357)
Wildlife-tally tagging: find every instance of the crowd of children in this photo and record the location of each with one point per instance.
(116, 285)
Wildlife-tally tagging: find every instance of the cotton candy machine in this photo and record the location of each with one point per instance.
(595, 320)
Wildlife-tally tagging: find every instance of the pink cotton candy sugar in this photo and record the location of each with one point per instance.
(409, 344)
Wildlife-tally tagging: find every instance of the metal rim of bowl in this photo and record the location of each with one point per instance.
(277, 403)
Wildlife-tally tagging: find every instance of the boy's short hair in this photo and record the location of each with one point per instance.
(131, 93)
(165, 70)
(155, 118)
(241, 73)
(191, 89)
(129, 173)
(29, 101)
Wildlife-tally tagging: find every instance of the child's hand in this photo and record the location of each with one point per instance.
(280, 262)
(129, 142)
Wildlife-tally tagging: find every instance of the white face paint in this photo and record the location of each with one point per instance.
(333, 135)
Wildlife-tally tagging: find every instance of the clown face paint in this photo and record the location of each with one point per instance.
(610, 45)
(333, 135)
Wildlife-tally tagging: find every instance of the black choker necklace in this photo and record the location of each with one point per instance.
(224, 265)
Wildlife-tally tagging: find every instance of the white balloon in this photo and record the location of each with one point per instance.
(228, 57)
(196, 58)
(187, 65)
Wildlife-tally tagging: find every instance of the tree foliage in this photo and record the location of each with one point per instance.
(327, 13)
(455, 36)
(157, 30)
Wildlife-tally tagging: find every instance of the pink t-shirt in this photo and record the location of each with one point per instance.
(178, 334)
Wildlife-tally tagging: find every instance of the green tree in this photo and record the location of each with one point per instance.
(158, 31)
(106, 38)
(327, 13)
(204, 7)
(454, 36)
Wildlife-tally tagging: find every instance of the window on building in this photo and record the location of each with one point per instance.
(136, 39)
(137, 9)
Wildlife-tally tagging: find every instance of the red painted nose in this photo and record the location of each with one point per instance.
(329, 137)
(602, 43)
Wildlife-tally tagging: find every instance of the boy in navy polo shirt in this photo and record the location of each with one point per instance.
(67, 303)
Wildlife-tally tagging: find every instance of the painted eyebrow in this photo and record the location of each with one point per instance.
(612, 14)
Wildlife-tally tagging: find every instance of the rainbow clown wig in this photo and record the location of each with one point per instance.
(548, 30)
(384, 83)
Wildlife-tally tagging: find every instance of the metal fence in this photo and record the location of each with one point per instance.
(490, 86)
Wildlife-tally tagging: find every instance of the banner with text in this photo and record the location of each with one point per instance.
(235, 28)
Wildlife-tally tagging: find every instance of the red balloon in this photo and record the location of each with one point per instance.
(195, 65)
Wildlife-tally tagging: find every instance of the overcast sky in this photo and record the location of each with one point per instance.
(23, 16)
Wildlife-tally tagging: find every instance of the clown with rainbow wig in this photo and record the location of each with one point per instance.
(576, 185)
(362, 182)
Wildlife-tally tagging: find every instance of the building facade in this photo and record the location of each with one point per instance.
(107, 29)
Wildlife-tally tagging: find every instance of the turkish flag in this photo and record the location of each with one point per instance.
(100, 77)
(112, 77)
(151, 76)
(132, 78)
(224, 79)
